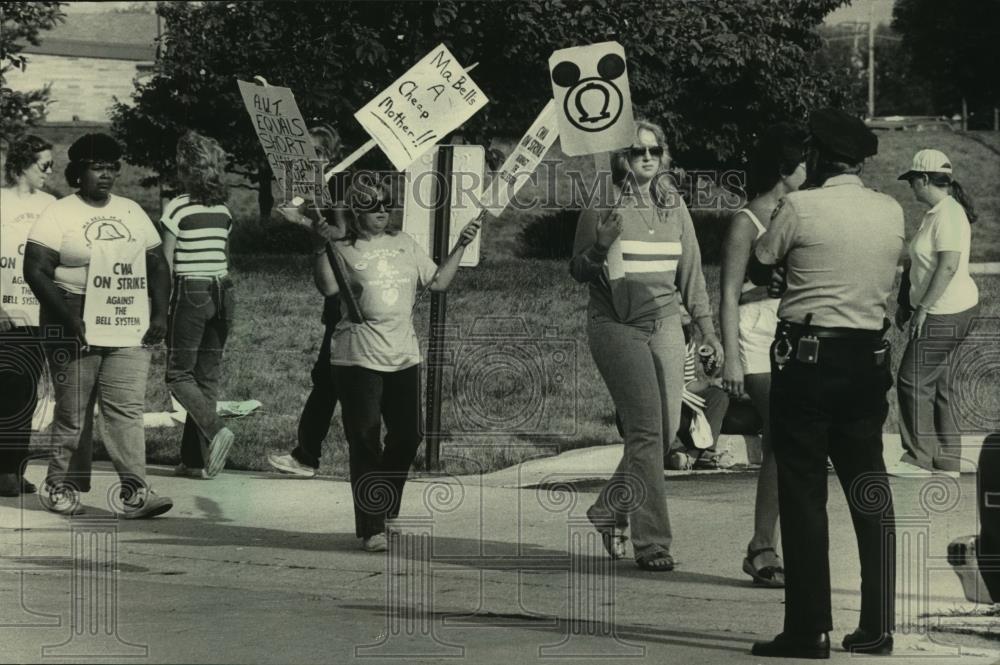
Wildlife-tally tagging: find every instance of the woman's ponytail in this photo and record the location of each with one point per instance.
(957, 193)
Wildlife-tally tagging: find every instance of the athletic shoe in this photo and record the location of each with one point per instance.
(289, 465)
(27, 487)
(218, 450)
(62, 500)
(144, 503)
(184, 471)
(679, 461)
(376, 543)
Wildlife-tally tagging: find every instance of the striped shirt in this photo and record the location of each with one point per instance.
(202, 237)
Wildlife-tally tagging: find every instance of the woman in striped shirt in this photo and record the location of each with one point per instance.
(639, 259)
(196, 243)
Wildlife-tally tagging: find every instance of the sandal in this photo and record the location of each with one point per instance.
(611, 537)
(770, 576)
(660, 562)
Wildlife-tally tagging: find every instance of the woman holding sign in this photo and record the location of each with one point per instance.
(376, 360)
(314, 423)
(29, 163)
(196, 244)
(637, 258)
(93, 260)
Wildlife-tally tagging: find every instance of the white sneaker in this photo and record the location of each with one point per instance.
(144, 503)
(376, 543)
(218, 450)
(62, 500)
(287, 464)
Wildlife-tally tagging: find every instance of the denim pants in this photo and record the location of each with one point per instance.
(643, 368)
(201, 313)
(926, 392)
(378, 474)
(22, 365)
(114, 378)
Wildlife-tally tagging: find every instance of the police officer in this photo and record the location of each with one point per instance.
(839, 243)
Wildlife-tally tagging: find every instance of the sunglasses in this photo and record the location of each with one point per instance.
(655, 151)
(44, 167)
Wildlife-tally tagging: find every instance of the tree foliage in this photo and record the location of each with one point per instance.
(713, 73)
(20, 23)
(955, 46)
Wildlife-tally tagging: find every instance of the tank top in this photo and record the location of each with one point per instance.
(747, 284)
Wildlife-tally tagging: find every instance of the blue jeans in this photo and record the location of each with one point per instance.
(643, 368)
(113, 377)
(200, 316)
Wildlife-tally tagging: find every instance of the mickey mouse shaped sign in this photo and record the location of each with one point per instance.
(593, 101)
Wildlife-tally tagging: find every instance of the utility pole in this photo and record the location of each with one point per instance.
(871, 58)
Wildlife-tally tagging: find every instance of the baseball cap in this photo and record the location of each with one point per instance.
(928, 161)
(842, 135)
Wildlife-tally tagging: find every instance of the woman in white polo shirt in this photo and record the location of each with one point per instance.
(938, 297)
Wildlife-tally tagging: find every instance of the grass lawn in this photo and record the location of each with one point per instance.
(522, 382)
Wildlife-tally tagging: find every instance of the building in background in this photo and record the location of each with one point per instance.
(90, 60)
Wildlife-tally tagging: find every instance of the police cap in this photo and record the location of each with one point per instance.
(842, 135)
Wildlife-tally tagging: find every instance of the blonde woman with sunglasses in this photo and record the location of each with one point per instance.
(640, 260)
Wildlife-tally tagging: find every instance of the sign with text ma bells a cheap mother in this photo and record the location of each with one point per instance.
(433, 98)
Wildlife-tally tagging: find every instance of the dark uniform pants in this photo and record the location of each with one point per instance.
(988, 551)
(835, 408)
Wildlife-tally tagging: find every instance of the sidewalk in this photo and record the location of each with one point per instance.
(253, 568)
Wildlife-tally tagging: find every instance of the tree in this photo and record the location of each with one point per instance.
(22, 22)
(954, 46)
(712, 76)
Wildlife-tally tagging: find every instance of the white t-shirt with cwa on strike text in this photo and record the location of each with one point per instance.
(945, 228)
(70, 226)
(18, 214)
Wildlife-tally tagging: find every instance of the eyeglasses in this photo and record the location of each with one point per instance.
(113, 167)
(655, 151)
(44, 167)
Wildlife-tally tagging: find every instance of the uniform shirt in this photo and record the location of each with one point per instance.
(70, 225)
(842, 242)
(202, 237)
(17, 215)
(654, 261)
(945, 228)
(384, 274)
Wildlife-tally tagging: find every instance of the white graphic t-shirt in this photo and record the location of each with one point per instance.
(70, 227)
(384, 274)
(18, 214)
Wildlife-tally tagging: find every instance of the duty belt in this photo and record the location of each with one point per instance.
(801, 341)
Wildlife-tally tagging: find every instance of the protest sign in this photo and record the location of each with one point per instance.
(16, 297)
(467, 173)
(116, 310)
(522, 162)
(285, 139)
(431, 99)
(592, 98)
